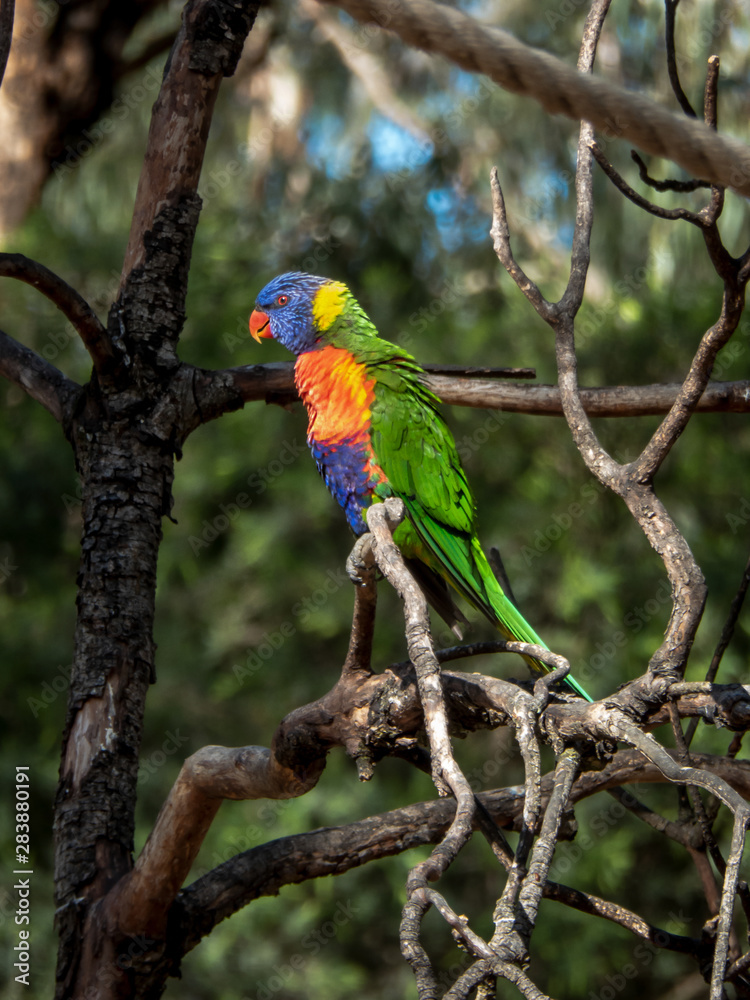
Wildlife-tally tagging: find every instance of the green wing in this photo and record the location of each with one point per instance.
(417, 452)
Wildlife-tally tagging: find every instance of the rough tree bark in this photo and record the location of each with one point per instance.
(125, 426)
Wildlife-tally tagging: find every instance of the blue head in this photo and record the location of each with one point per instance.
(292, 310)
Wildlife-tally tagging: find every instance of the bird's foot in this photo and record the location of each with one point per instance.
(360, 564)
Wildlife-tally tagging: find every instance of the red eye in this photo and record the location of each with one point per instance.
(282, 300)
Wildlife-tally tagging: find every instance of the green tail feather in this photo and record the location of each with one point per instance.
(510, 621)
(463, 562)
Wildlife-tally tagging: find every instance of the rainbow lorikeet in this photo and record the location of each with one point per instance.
(375, 431)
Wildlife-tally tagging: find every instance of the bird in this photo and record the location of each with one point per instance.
(376, 431)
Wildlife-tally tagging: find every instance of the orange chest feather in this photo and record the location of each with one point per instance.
(336, 392)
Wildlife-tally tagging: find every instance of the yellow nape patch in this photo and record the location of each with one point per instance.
(328, 303)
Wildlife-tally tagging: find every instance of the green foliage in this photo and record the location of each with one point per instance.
(253, 608)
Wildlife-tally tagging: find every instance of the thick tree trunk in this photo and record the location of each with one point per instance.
(127, 481)
(129, 422)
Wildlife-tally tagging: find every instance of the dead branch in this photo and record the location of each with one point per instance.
(141, 900)
(447, 776)
(674, 76)
(362, 563)
(531, 891)
(218, 392)
(263, 870)
(668, 185)
(670, 214)
(205, 51)
(710, 93)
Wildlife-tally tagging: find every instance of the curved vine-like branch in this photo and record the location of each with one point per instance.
(73, 306)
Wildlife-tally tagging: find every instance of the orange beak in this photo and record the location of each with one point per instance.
(260, 325)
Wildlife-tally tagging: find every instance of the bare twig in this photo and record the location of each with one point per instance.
(710, 93)
(525, 717)
(674, 77)
(460, 924)
(696, 380)
(731, 879)
(362, 561)
(532, 889)
(670, 214)
(682, 187)
(500, 234)
(688, 835)
(586, 902)
(382, 519)
(683, 774)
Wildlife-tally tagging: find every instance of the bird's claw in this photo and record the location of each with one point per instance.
(360, 562)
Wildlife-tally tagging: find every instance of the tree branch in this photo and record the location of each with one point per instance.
(670, 214)
(684, 187)
(382, 519)
(207, 48)
(674, 77)
(36, 376)
(141, 900)
(229, 389)
(73, 306)
(263, 870)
